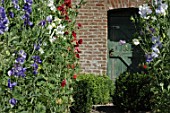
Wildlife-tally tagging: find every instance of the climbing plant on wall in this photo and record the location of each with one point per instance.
(39, 54)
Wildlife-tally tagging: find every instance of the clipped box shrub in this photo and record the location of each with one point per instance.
(132, 92)
(90, 90)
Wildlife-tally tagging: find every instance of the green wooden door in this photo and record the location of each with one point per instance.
(121, 57)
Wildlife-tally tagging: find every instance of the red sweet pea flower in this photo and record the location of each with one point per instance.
(63, 83)
(79, 25)
(144, 66)
(60, 8)
(77, 50)
(66, 33)
(74, 34)
(67, 18)
(74, 76)
(72, 66)
(67, 3)
(77, 55)
(80, 41)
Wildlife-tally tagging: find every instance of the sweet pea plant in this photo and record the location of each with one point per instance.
(39, 54)
(154, 39)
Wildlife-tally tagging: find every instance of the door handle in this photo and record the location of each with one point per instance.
(111, 52)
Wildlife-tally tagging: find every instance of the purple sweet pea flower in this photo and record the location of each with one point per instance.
(42, 23)
(152, 30)
(35, 66)
(162, 9)
(2, 1)
(37, 46)
(3, 21)
(49, 18)
(22, 53)
(11, 85)
(15, 3)
(20, 71)
(13, 101)
(155, 49)
(149, 58)
(37, 59)
(28, 10)
(20, 60)
(29, 2)
(35, 72)
(122, 42)
(154, 55)
(11, 14)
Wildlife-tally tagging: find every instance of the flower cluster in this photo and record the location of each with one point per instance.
(153, 13)
(161, 7)
(48, 19)
(37, 61)
(17, 71)
(15, 3)
(144, 11)
(28, 10)
(3, 21)
(51, 5)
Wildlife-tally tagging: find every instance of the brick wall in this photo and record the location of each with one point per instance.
(93, 17)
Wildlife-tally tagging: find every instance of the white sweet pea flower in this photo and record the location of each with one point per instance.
(50, 27)
(59, 30)
(136, 42)
(51, 5)
(53, 25)
(52, 39)
(153, 18)
(41, 51)
(57, 20)
(53, 8)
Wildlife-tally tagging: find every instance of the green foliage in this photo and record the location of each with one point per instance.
(90, 90)
(160, 100)
(44, 83)
(132, 92)
(154, 38)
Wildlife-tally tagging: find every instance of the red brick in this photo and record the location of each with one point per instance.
(93, 17)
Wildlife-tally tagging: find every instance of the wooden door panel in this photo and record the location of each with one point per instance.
(121, 57)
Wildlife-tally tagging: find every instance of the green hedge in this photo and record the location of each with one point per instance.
(90, 90)
(132, 92)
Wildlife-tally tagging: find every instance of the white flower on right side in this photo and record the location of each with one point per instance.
(144, 11)
(136, 42)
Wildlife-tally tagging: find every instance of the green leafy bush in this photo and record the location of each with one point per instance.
(91, 89)
(132, 92)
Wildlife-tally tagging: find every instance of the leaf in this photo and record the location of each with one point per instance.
(156, 63)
